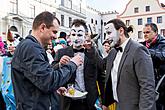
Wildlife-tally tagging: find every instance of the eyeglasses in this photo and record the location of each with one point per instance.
(147, 32)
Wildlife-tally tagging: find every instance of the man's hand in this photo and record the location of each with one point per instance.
(77, 60)
(64, 60)
(88, 43)
(61, 90)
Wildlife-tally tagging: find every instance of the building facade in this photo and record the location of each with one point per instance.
(68, 10)
(139, 12)
(18, 15)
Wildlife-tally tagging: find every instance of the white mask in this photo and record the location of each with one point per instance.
(77, 36)
(112, 34)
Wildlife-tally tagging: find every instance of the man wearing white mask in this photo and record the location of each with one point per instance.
(130, 77)
(86, 74)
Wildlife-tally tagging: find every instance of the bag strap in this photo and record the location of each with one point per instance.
(160, 81)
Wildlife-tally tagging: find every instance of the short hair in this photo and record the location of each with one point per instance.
(106, 41)
(153, 27)
(79, 22)
(63, 35)
(118, 24)
(44, 17)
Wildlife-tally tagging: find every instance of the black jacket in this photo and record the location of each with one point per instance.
(157, 51)
(91, 75)
(34, 80)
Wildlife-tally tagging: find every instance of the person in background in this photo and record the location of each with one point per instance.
(156, 46)
(2, 52)
(129, 71)
(106, 45)
(86, 75)
(50, 52)
(2, 47)
(63, 35)
(6, 83)
(34, 80)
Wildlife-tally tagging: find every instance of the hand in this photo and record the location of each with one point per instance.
(64, 60)
(104, 107)
(49, 51)
(77, 60)
(61, 90)
(88, 43)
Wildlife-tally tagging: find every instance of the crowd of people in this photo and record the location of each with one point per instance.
(44, 68)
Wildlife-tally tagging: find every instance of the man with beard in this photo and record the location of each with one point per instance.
(156, 46)
(86, 74)
(130, 76)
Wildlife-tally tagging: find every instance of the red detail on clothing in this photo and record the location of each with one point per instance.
(153, 42)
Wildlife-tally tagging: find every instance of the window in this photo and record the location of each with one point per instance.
(54, 13)
(104, 35)
(159, 19)
(162, 32)
(149, 20)
(62, 2)
(136, 10)
(32, 11)
(105, 23)
(140, 21)
(14, 6)
(96, 22)
(91, 20)
(147, 8)
(70, 21)
(62, 20)
(140, 35)
(127, 22)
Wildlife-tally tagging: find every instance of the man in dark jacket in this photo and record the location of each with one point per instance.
(34, 80)
(156, 45)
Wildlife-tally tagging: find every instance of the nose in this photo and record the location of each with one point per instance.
(54, 36)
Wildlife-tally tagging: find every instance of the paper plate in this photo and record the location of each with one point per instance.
(77, 94)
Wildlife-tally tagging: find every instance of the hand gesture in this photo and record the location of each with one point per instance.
(64, 60)
(88, 43)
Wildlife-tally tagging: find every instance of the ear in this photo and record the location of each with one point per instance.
(121, 31)
(42, 27)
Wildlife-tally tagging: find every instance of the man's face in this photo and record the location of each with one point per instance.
(77, 36)
(107, 47)
(112, 35)
(49, 33)
(149, 34)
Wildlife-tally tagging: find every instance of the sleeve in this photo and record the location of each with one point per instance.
(40, 72)
(145, 76)
(158, 54)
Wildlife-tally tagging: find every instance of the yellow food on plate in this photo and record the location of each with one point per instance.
(71, 91)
